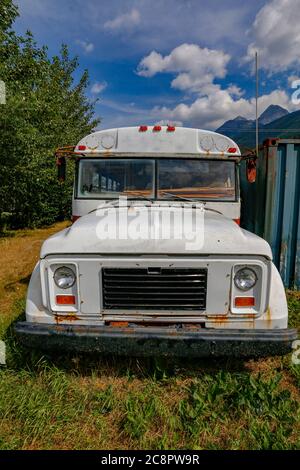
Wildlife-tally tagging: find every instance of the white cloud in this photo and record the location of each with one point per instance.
(166, 122)
(126, 108)
(126, 21)
(276, 35)
(196, 69)
(195, 66)
(98, 87)
(217, 106)
(86, 46)
(235, 91)
(293, 78)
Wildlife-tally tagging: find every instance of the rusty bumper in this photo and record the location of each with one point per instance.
(156, 341)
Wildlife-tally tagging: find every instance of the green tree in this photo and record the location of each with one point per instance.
(44, 109)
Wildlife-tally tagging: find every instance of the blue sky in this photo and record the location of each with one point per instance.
(188, 62)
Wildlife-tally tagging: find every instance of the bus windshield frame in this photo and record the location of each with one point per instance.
(157, 179)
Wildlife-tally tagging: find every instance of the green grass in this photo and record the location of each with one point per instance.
(294, 308)
(90, 402)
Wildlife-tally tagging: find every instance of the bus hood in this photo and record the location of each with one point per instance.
(95, 234)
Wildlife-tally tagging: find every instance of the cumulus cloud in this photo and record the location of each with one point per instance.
(166, 122)
(86, 46)
(235, 91)
(126, 21)
(292, 79)
(213, 109)
(276, 35)
(195, 70)
(195, 66)
(98, 87)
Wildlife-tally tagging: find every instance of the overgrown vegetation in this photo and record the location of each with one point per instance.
(44, 109)
(70, 401)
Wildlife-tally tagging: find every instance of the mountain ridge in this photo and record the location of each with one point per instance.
(242, 130)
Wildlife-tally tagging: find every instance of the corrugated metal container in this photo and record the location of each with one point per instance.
(270, 206)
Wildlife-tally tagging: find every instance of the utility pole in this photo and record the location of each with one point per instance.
(256, 103)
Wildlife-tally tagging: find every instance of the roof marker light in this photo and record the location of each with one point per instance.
(81, 147)
(170, 128)
(156, 128)
(143, 128)
(232, 150)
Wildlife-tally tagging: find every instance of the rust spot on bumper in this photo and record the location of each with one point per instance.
(218, 319)
(118, 324)
(62, 318)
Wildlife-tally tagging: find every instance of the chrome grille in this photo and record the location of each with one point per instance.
(154, 288)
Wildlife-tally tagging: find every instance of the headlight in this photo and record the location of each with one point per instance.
(245, 279)
(64, 277)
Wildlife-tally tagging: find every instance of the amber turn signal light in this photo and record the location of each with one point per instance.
(65, 299)
(244, 301)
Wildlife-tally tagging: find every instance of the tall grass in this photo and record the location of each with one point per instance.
(72, 401)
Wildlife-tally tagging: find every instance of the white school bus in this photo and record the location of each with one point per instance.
(155, 262)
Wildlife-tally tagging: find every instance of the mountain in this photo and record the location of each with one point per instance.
(285, 127)
(240, 124)
(272, 113)
(243, 130)
(236, 126)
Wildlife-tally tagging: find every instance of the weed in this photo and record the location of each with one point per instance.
(75, 401)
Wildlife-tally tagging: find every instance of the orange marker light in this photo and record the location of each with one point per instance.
(244, 301)
(65, 300)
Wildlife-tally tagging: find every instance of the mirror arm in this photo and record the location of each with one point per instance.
(61, 168)
(60, 155)
(249, 156)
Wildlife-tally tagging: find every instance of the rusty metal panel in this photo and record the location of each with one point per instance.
(297, 259)
(276, 202)
(290, 202)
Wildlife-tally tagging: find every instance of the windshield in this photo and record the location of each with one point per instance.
(196, 179)
(156, 179)
(111, 178)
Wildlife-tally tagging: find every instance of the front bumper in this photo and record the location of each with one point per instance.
(137, 340)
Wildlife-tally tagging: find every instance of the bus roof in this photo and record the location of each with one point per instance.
(157, 140)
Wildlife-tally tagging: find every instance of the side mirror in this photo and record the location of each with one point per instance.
(61, 169)
(251, 171)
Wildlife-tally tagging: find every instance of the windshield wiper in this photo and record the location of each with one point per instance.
(139, 196)
(212, 210)
(178, 197)
(191, 200)
(116, 201)
(108, 204)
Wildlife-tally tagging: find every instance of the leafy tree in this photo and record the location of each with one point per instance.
(44, 109)
(8, 14)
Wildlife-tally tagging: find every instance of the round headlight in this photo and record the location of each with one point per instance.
(245, 279)
(64, 277)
